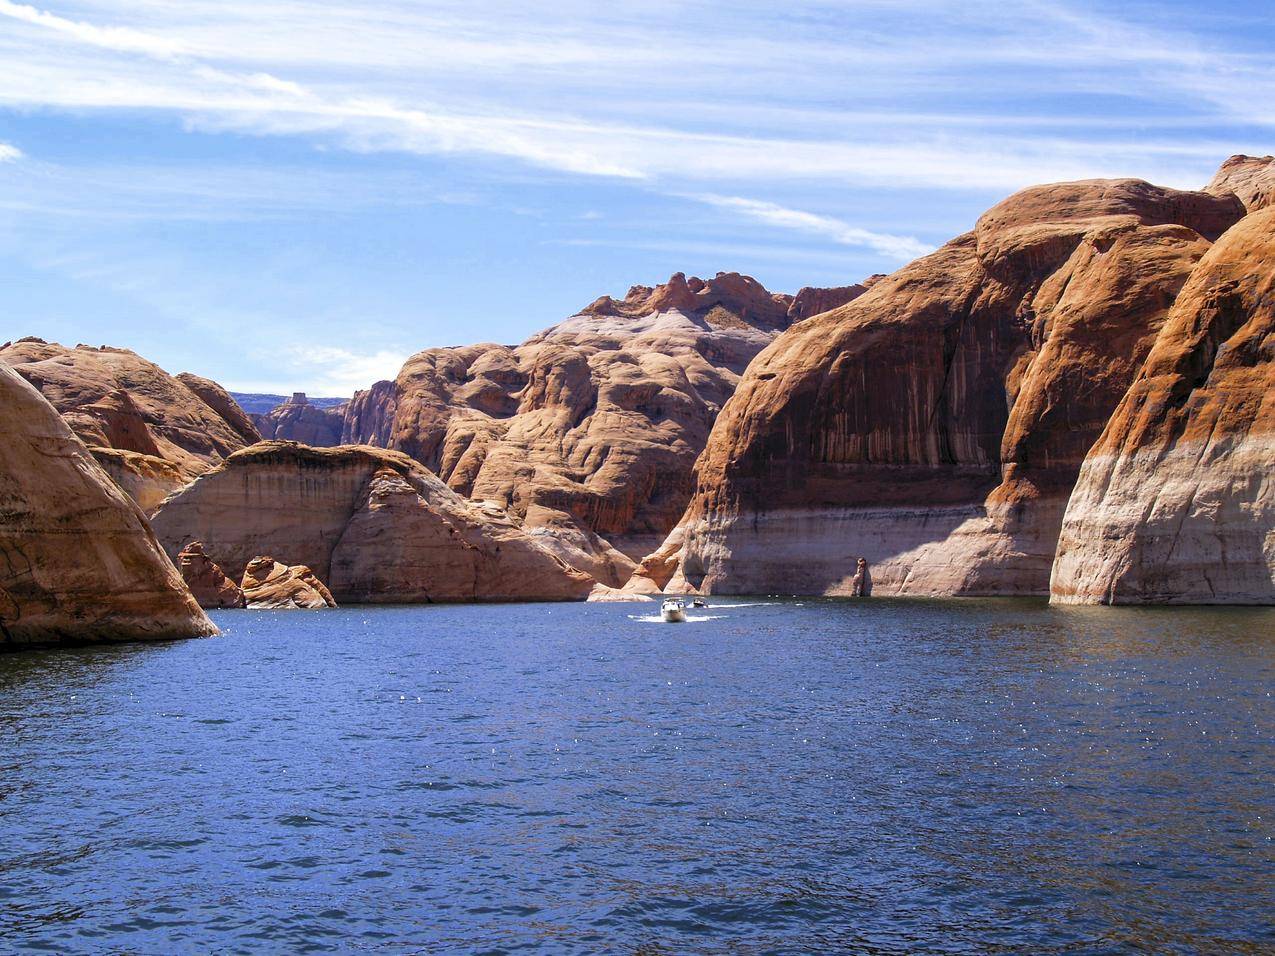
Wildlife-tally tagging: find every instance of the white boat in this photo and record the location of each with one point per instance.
(673, 610)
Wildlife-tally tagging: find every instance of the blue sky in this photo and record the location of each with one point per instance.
(285, 194)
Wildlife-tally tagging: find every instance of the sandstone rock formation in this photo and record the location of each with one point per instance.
(164, 431)
(936, 424)
(587, 433)
(220, 401)
(298, 420)
(1176, 502)
(1251, 178)
(372, 523)
(207, 582)
(269, 585)
(77, 560)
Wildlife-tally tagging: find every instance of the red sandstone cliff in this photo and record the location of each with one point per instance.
(1176, 501)
(936, 424)
(78, 562)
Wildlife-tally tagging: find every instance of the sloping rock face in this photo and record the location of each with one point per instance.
(207, 582)
(298, 420)
(372, 523)
(220, 401)
(269, 585)
(936, 424)
(588, 432)
(1176, 502)
(1251, 178)
(171, 430)
(77, 560)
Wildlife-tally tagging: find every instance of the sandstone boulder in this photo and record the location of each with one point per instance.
(372, 523)
(78, 562)
(207, 582)
(270, 585)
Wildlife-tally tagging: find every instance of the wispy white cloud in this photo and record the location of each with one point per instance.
(441, 81)
(330, 371)
(902, 248)
(120, 39)
(9, 154)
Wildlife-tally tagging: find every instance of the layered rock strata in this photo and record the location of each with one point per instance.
(587, 433)
(78, 563)
(935, 425)
(1176, 502)
(269, 585)
(372, 523)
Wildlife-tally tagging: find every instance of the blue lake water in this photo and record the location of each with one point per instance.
(870, 777)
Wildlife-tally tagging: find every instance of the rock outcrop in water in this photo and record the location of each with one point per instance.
(77, 560)
(372, 523)
(270, 585)
(207, 582)
(936, 424)
(587, 433)
(153, 432)
(1176, 501)
(298, 420)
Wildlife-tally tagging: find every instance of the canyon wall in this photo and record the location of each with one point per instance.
(373, 525)
(587, 432)
(78, 563)
(936, 424)
(1176, 502)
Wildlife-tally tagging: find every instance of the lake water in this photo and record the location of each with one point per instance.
(870, 777)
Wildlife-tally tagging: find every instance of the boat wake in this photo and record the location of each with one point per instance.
(690, 618)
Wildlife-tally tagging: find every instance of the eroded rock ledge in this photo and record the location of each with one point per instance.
(371, 523)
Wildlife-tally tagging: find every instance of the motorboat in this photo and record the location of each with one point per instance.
(673, 610)
(699, 602)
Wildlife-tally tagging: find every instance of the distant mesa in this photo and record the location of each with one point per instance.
(258, 403)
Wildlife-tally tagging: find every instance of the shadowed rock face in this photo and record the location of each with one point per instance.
(207, 582)
(163, 430)
(77, 560)
(1176, 501)
(592, 427)
(935, 425)
(373, 524)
